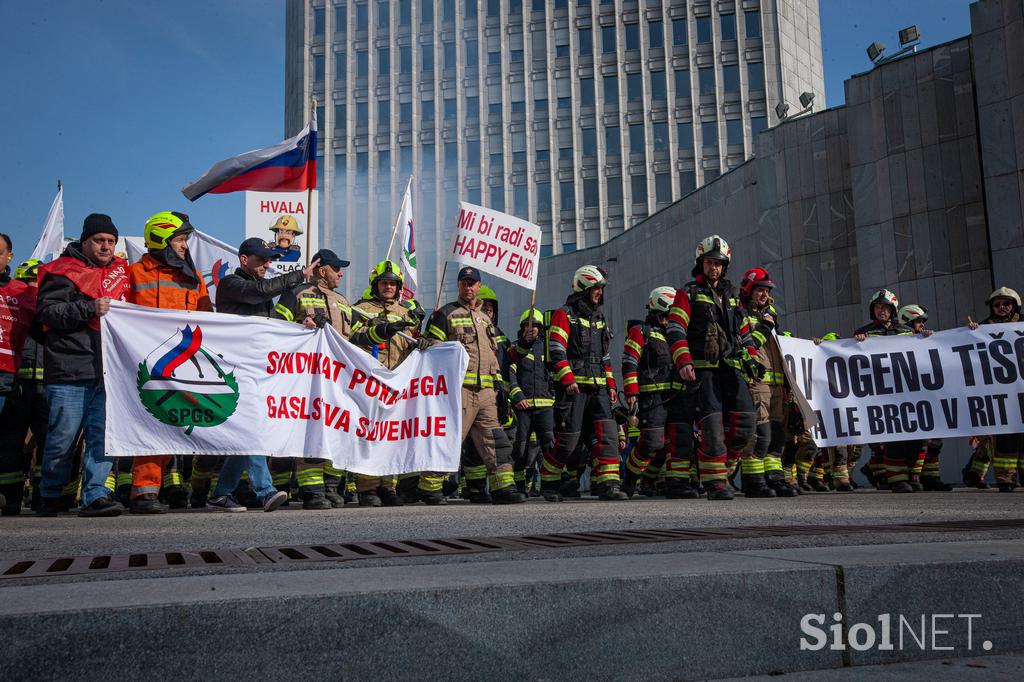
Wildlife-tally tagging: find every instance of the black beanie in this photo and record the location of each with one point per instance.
(97, 223)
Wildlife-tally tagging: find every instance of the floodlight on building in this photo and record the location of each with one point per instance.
(807, 100)
(909, 35)
(875, 51)
(782, 110)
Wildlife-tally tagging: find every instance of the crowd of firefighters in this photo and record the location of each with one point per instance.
(704, 399)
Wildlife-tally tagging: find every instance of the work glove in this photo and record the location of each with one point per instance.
(391, 328)
(753, 368)
(423, 343)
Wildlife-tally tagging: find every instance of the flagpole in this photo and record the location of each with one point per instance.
(398, 219)
(309, 195)
(440, 285)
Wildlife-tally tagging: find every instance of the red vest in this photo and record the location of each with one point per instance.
(17, 306)
(94, 282)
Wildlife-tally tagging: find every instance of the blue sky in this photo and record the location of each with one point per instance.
(127, 100)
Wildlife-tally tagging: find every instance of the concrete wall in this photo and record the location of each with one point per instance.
(997, 35)
(916, 180)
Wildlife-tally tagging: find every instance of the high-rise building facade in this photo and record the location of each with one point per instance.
(584, 117)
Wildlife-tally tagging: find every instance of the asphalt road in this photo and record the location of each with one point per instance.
(25, 536)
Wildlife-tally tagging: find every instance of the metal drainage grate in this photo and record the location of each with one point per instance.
(108, 563)
(391, 549)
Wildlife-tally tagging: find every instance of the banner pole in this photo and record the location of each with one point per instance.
(398, 218)
(309, 197)
(440, 285)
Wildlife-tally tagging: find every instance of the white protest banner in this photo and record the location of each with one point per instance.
(184, 383)
(497, 243)
(268, 212)
(892, 388)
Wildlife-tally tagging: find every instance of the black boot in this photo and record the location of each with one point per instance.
(389, 498)
(817, 485)
(315, 501)
(434, 498)
(1007, 487)
(507, 495)
(647, 487)
(550, 492)
(719, 491)
(934, 484)
(754, 485)
(780, 486)
(370, 499)
(801, 482)
(915, 483)
(148, 503)
(477, 493)
(336, 500)
(177, 497)
(628, 486)
(680, 489)
(901, 487)
(407, 489)
(611, 492)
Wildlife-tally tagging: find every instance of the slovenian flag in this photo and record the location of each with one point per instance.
(286, 167)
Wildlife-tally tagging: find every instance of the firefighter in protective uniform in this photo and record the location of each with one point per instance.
(313, 306)
(165, 277)
(473, 469)
(532, 397)
(764, 459)
(579, 341)
(898, 457)
(464, 321)
(664, 410)
(927, 469)
(712, 344)
(378, 317)
(1004, 451)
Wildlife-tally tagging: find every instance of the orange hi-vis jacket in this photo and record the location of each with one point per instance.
(156, 285)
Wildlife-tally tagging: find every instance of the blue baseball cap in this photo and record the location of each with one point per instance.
(469, 273)
(254, 246)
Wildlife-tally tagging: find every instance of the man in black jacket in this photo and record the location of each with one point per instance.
(75, 291)
(247, 292)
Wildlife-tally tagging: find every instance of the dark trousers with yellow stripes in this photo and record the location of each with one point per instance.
(652, 413)
(317, 476)
(539, 421)
(1008, 457)
(592, 407)
(25, 411)
(899, 459)
(727, 422)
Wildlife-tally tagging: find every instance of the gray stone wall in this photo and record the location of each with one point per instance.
(997, 36)
(916, 181)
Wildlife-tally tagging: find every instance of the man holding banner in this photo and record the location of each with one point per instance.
(898, 457)
(464, 321)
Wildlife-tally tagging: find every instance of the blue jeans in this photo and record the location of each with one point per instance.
(74, 407)
(231, 474)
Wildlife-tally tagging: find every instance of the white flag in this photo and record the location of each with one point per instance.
(183, 382)
(51, 242)
(408, 245)
(134, 248)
